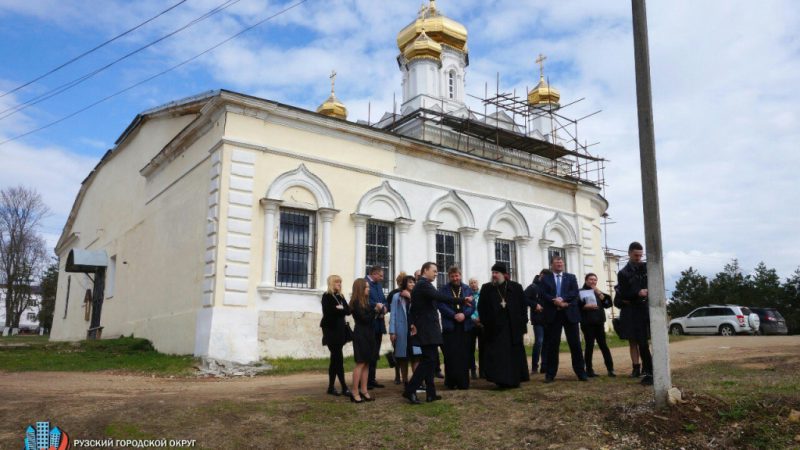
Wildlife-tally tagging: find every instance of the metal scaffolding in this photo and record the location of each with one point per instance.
(508, 135)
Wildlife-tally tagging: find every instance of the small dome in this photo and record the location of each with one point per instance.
(439, 28)
(543, 94)
(423, 47)
(332, 107)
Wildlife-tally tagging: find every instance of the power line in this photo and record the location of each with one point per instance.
(67, 86)
(183, 63)
(55, 69)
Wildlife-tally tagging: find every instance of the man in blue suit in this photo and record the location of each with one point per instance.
(375, 281)
(561, 302)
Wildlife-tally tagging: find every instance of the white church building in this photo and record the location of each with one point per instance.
(223, 214)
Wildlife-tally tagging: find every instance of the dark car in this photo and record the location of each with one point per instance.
(772, 322)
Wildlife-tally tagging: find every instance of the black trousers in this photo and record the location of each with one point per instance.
(473, 340)
(552, 341)
(373, 365)
(647, 358)
(425, 372)
(336, 366)
(591, 333)
(481, 352)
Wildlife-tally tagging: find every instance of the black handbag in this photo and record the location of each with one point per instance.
(348, 333)
(616, 325)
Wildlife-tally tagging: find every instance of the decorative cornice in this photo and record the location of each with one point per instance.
(360, 219)
(327, 214)
(545, 243)
(467, 232)
(431, 225)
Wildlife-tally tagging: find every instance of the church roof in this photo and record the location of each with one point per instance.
(196, 104)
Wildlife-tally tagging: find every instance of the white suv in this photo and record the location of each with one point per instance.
(726, 320)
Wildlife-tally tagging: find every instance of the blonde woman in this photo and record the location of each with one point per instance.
(335, 332)
(364, 345)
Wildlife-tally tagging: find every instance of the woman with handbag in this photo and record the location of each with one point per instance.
(335, 332)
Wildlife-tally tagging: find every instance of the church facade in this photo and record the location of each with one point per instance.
(223, 214)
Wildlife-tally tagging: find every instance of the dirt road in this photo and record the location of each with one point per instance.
(84, 398)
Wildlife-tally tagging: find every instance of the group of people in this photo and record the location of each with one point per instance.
(457, 317)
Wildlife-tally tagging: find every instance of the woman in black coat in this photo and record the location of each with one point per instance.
(364, 345)
(593, 325)
(335, 331)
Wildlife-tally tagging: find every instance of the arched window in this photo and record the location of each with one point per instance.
(451, 85)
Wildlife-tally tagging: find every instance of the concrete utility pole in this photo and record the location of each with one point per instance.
(662, 378)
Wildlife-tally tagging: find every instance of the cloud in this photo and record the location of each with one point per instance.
(724, 87)
(676, 261)
(55, 172)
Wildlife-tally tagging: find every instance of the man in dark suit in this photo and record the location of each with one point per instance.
(426, 332)
(537, 321)
(375, 281)
(561, 303)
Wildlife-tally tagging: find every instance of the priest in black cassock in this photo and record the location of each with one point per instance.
(502, 312)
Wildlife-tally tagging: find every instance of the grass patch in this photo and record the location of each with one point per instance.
(118, 430)
(289, 366)
(19, 354)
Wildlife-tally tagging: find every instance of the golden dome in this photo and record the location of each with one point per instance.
(439, 28)
(543, 94)
(423, 47)
(332, 107)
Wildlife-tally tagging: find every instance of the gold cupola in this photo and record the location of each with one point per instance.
(543, 94)
(438, 27)
(423, 47)
(332, 107)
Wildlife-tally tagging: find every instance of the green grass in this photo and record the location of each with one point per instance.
(27, 353)
(37, 353)
(289, 366)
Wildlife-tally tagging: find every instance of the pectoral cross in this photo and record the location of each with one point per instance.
(503, 302)
(540, 62)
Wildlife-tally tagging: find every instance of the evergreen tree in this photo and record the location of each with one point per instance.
(767, 291)
(730, 286)
(790, 309)
(691, 291)
(48, 285)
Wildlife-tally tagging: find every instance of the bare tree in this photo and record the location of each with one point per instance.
(23, 251)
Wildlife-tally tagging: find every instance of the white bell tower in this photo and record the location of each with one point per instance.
(433, 59)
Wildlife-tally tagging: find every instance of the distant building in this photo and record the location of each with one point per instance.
(29, 321)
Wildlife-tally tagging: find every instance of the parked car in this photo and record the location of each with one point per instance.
(772, 322)
(726, 320)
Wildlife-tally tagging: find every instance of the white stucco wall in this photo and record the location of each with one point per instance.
(191, 246)
(154, 228)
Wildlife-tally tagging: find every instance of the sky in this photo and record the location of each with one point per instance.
(725, 94)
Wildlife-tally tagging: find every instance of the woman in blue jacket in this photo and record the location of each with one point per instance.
(399, 328)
